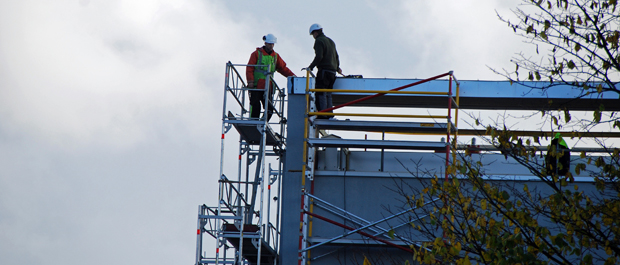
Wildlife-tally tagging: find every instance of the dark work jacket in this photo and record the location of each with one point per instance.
(326, 56)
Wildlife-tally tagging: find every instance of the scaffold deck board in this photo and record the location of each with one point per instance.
(250, 132)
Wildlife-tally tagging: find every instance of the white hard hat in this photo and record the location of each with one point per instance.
(270, 38)
(315, 27)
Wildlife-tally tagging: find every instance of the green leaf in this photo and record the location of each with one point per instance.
(505, 195)
(391, 234)
(567, 116)
(597, 116)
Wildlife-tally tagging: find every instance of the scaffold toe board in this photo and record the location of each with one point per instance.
(380, 126)
(377, 144)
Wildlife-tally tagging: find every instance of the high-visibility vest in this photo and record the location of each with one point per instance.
(261, 72)
(560, 140)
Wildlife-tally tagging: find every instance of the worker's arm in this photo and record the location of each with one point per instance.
(338, 62)
(282, 68)
(249, 70)
(318, 54)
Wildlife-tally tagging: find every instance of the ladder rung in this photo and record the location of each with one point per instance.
(236, 235)
(219, 217)
(213, 261)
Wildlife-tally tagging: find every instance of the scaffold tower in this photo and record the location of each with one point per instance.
(242, 223)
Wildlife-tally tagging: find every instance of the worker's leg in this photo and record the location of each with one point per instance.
(331, 79)
(255, 100)
(324, 79)
(269, 108)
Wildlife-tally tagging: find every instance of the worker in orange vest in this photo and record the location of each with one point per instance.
(256, 75)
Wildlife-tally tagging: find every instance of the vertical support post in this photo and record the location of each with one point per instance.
(199, 236)
(303, 219)
(303, 241)
(268, 179)
(382, 152)
(448, 142)
(278, 206)
(261, 180)
(220, 191)
(456, 119)
(241, 225)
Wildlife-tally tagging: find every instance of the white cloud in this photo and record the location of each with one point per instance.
(110, 110)
(106, 112)
(97, 72)
(464, 36)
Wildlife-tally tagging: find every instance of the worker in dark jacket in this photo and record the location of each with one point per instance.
(256, 74)
(328, 64)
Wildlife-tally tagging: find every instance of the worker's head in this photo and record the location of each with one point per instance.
(315, 30)
(270, 41)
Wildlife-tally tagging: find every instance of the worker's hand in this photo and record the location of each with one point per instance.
(340, 71)
(251, 84)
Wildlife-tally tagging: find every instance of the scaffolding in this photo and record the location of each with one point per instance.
(242, 222)
(251, 228)
(315, 137)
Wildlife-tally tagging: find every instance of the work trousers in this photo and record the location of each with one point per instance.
(256, 98)
(324, 79)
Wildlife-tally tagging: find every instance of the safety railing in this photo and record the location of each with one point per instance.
(307, 200)
(238, 89)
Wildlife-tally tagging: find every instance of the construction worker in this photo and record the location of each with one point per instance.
(328, 64)
(558, 157)
(256, 75)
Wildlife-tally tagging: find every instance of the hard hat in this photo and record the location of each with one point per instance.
(315, 27)
(270, 38)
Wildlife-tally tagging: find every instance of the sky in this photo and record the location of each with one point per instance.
(110, 110)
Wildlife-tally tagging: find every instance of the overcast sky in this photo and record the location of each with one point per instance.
(110, 110)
